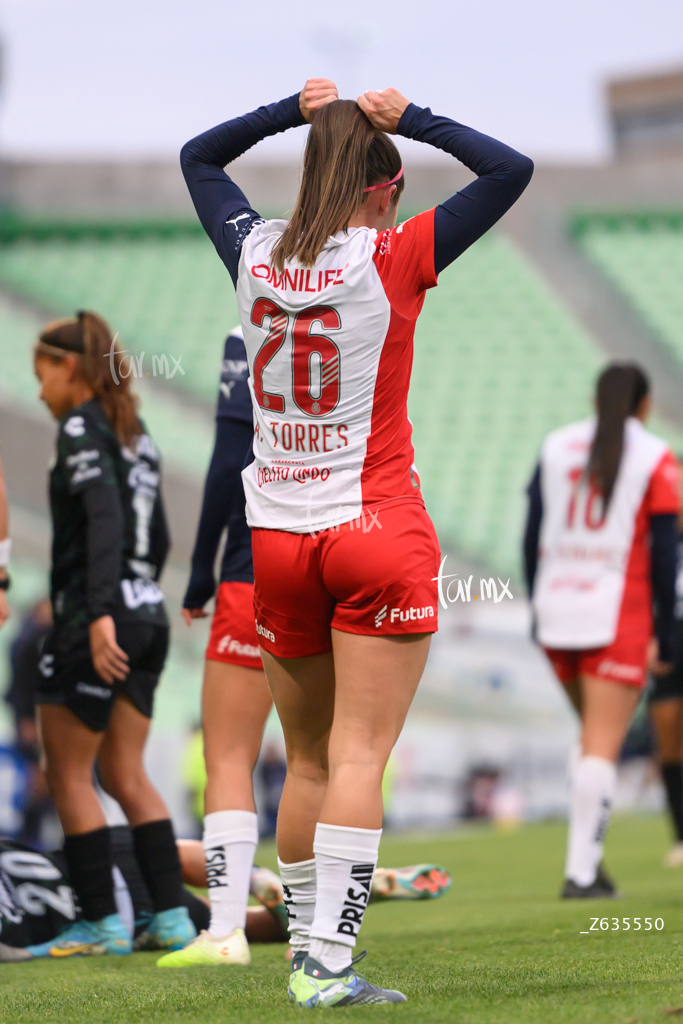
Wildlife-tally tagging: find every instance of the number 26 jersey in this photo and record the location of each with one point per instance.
(330, 351)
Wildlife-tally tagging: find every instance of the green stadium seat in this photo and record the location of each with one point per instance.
(644, 258)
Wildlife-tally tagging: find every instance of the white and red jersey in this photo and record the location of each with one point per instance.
(330, 352)
(593, 578)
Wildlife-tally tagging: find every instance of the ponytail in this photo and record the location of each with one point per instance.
(344, 154)
(88, 337)
(620, 390)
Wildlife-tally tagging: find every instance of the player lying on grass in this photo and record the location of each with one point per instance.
(37, 902)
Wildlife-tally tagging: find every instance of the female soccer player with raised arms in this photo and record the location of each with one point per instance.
(600, 545)
(345, 555)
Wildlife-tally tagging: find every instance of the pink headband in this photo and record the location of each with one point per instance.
(385, 184)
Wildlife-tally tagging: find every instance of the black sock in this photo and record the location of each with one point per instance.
(88, 856)
(672, 774)
(157, 855)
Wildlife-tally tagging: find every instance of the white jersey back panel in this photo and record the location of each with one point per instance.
(314, 340)
(582, 557)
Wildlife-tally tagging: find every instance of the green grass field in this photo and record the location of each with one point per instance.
(500, 947)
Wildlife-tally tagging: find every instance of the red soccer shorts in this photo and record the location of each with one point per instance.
(233, 631)
(374, 576)
(623, 661)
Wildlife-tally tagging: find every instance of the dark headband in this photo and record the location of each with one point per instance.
(68, 337)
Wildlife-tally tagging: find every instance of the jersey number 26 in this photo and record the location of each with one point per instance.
(315, 357)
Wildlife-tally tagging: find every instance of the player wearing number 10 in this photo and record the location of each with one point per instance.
(102, 660)
(345, 555)
(600, 546)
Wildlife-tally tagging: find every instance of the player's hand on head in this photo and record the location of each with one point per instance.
(316, 93)
(110, 660)
(383, 109)
(189, 614)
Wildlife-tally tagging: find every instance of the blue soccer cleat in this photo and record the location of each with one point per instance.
(88, 938)
(169, 930)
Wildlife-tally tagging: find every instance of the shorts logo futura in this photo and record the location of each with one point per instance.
(232, 646)
(412, 613)
(407, 615)
(262, 631)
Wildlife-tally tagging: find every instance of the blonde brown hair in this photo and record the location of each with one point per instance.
(344, 154)
(89, 338)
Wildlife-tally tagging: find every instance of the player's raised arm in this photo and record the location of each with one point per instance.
(502, 172)
(221, 206)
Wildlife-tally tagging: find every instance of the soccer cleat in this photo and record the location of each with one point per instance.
(88, 938)
(674, 858)
(207, 951)
(298, 961)
(603, 888)
(313, 985)
(420, 882)
(13, 954)
(266, 887)
(169, 929)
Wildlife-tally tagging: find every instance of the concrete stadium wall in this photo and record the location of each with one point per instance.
(96, 187)
(156, 188)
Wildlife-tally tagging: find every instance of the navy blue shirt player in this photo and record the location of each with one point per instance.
(224, 503)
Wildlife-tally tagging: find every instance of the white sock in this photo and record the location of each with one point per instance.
(298, 881)
(592, 791)
(230, 841)
(345, 861)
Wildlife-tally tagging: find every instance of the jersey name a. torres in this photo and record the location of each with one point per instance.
(330, 355)
(594, 568)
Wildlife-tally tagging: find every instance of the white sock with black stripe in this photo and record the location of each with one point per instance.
(593, 785)
(298, 881)
(345, 860)
(230, 841)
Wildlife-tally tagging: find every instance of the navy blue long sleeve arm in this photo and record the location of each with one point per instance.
(532, 530)
(663, 563)
(502, 175)
(223, 501)
(227, 216)
(221, 205)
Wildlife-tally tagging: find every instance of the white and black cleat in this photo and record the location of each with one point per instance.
(603, 888)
